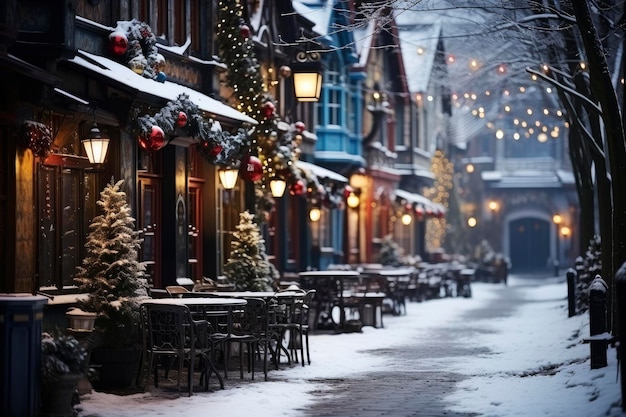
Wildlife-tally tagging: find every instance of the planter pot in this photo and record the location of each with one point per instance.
(117, 368)
(56, 398)
(81, 320)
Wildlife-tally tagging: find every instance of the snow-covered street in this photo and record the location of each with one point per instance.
(507, 351)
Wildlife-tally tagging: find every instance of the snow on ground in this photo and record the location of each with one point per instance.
(538, 366)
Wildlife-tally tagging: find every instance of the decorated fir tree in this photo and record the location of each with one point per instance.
(111, 273)
(443, 171)
(248, 268)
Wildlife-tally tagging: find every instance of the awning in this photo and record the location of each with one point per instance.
(419, 199)
(118, 73)
(321, 172)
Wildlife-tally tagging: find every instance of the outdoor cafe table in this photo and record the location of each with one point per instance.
(208, 306)
(395, 282)
(336, 288)
(265, 295)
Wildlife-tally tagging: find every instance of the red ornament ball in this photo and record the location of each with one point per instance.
(297, 188)
(154, 141)
(300, 127)
(215, 150)
(182, 119)
(118, 42)
(251, 169)
(245, 31)
(268, 109)
(347, 191)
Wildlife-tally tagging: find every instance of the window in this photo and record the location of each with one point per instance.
(66, 204)
(150, 223)
(180, 22)
(194, 30)
(160, 23)
(149, 214)
(331, 111)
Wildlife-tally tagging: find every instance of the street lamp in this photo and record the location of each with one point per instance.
(557, 219)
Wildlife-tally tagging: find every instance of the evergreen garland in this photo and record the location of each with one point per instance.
(248, 268)
(110, 272)
(219, 147)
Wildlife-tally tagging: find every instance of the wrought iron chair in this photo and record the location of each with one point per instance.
(171, 332)
(290, 326)
(250, 331)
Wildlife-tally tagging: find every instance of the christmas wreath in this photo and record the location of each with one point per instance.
(136, 44)
(184, 117)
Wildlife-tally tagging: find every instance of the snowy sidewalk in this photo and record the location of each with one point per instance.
(533, 363)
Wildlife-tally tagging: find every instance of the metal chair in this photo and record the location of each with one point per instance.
(176, 290)
(291, 325)
(171, 332)
(250, 331)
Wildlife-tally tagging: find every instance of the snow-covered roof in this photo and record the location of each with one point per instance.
(167, 90)
(318, 12)
(419, 199)
(256, 16)
(363, 37)
(419, 65)
(523, 179)
(321, 172)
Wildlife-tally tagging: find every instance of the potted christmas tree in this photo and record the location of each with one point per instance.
(113, 278)
(248, 268)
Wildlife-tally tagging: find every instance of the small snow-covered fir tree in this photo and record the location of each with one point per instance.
(248, 268)
(592, 266)
(390, 252)
(110, 272)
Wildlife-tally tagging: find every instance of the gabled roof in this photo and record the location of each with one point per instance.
(319, 12)
(419, 65)
(331, 21)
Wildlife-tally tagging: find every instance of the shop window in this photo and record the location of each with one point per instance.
(66, 204)
(149, 222)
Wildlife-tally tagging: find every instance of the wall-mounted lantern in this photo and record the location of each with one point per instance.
(228, 177)
(96, 145)
(406, 219)
(277, 186)
(315, 214)
(353, 200)
(307, 76)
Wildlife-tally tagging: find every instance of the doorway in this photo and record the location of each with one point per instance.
(529, 243)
